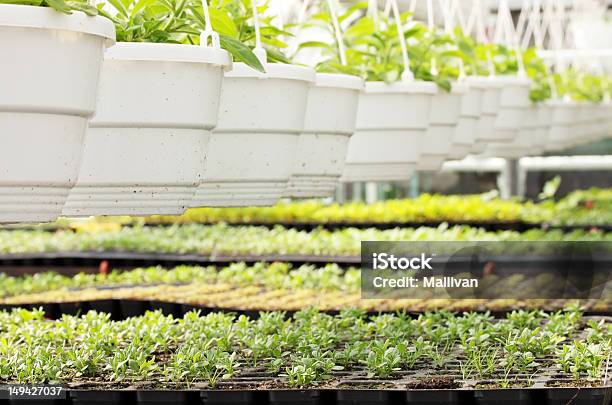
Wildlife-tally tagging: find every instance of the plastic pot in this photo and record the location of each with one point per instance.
(599, 125)
(293, 397)
(437, 142)
(513, 103)
(391, 122)
(362, 397)
(515, 396)
(252, 150)
(583, 396)
(49, 76)
(485, 127)
(522, 144)
(541, 135)
(331, 114)
(145, 148)
(563, 119)
(228, 397)
(100, 397)
(466, 129)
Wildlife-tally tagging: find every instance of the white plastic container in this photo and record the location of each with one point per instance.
(513, 104)
(331, 114)
(145, 148)
(485, 128)
(437, 142)
(466, 129)
(542, 133)
(49, 70)
(523, 143)
(253, 148)
(563, 120)
(391, 121)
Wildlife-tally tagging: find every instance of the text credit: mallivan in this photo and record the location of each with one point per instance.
(426, 282)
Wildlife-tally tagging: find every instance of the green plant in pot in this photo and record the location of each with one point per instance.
(62, 6)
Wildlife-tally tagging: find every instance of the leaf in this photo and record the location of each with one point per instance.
(241, 53)
(276, 56)
(59, 5)
(83, 7)
(314, 44)
(140, 4)
(119, 7)
(223, 23)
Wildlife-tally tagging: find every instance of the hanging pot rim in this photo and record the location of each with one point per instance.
(413, 87)
(339, 80)
(160, 52)
(274, 71)
(22, 16)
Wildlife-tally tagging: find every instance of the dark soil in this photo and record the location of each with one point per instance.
(433, 383)
(574, 383)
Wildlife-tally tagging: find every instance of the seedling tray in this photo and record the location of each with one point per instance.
(327, 396)
(38, 262)
(121, 309)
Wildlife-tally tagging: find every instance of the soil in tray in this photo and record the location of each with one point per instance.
(433, 383)
(573, 383)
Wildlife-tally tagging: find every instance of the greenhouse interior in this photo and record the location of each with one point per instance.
(313, 202)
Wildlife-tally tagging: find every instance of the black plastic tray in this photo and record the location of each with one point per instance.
(524, 396)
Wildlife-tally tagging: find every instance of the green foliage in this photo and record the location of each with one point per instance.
(173, 21)
(580, 85)
(206, 350)
(374, 51)
(62, 6)
(234, 21)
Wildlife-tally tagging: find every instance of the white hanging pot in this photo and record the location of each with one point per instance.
(253, 148)
(542, 132)
(604, 120)
(485, 127)
(391, 121)
(608, 115)
(513, 102)
(523, 143)
(466, 129)
(591, 123)
(145, 148)
(49, 69)
(436, 144)
(563, 120)
(330, 119)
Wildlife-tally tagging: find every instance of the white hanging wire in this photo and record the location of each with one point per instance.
(457, 12)
(506, 30)
(476, 23)
(208, 32)
(533, 29)
(337, 31)
(407, 74)
(432, 27)
(259, 50)
(521, 24)
(412, 8)
(373, 12)
(303, 11)
(448, 8)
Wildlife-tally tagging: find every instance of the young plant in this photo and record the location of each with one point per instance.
(233, 20)
(62, 6)
(383, 359)
(169, 21)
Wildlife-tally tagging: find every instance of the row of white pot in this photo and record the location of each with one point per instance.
(408, 126)
(179, 126)
(556, 125)
(156, 128)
